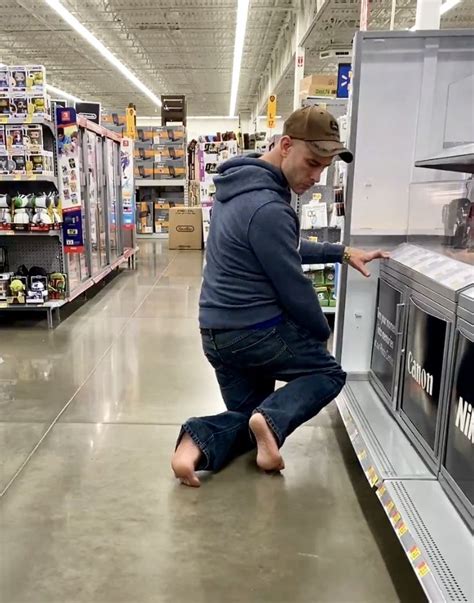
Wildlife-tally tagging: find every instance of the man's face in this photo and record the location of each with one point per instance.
(301, 166)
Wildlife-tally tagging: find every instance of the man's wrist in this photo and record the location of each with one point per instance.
(346, 256)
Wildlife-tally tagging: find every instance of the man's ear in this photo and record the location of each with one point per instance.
(285, 145)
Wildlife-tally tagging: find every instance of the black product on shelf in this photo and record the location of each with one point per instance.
(4, 265)
(385, 349)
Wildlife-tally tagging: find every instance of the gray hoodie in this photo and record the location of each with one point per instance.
(254, 254)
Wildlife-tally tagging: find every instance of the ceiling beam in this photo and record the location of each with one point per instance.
(298, 24)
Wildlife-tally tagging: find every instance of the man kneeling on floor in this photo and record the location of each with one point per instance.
(259, 315)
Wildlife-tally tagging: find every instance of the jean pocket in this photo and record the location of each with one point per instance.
(259, 348)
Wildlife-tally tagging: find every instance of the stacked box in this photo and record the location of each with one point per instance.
(23, 91)
(22, 150)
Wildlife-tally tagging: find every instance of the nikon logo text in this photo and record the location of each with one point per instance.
(465, 419)
(424, 379)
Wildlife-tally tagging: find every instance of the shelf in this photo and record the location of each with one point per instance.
(28, 119)
(30, 233)
(328, 309)
(144, 182)
(439, 551)
(153, 235)
(27, 178)
(455, 159)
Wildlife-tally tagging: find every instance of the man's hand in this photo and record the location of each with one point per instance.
(359, 258)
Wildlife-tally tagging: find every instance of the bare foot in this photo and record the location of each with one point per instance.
(184, 462)
(268, 455)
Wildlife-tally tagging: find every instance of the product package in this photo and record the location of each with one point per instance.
(185, 228)
(15, 137)
(162, 216)
(3, 139)
(323, 296)
(33, 139)
(17, 290)
(37, 292)
(18, 105)
(145, 217)
(38, 105)
(36, 78)
(4, 105)
(17, 162)
(4, 78)
(18, 79)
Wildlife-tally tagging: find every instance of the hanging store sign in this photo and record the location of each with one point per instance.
(460, 437)
(423, 371)
(344, 76)
(271, 112)
(385, 336)
(90, 111)
(173, 108)
(69, 184)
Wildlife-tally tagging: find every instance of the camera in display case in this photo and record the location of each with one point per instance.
(457, 470)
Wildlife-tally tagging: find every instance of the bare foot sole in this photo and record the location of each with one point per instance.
(184, 462)
(268, 455)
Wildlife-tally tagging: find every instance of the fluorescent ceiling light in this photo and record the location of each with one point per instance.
(97, 44)
(448, 5)
(242, 13)
(59, 92)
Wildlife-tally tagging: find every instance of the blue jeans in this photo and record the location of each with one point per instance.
(247, 363)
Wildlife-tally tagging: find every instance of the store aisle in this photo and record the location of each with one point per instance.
(95, 516)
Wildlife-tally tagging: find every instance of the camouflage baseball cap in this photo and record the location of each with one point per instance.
(320, 129)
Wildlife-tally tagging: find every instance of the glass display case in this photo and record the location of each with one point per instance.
(401, 335)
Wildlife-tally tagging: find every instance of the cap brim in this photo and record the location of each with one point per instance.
(331, 149)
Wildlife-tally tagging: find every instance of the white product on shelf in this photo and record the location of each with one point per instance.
(314, 215)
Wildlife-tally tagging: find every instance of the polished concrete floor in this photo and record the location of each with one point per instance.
(90, 512)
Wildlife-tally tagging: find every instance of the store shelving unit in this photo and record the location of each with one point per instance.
(402, 338)
(91, 167)
(140, 182)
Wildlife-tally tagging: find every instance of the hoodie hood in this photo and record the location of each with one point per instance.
(242, 175)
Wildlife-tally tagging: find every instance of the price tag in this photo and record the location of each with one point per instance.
(381, 491)
(372, 476)
(362, 455)
(32, 177)
(28, 119)
(3, 305)
(390, 506)
(395, 517)
(317, 196)
(422, 569)
(414, 553)
(401, 529)
(17, 177)
(3, 120)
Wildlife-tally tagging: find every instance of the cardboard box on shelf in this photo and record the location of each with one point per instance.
(162, 216)
(318, 85)
(164, 135)
(144, 169)
(145, 134)
(145, 217)
(185, 228)
(165, 172)
(144, 153)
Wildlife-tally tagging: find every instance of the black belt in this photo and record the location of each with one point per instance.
(214, 331)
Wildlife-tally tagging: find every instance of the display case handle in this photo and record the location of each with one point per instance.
(399, 318)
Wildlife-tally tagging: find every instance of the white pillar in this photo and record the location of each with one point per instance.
(299, 75)
(299, 65)
(428, 14)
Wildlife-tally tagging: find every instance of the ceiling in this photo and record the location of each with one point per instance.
(183, 46)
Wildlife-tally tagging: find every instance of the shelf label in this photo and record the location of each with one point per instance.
(414, 553)
(362, 455)
(372, 476)
(3, 120)
(390, 506)
(401, 529)
(395, 517)
(422, 570)
(381, 491)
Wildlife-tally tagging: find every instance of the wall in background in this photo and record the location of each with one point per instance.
(201, 126)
